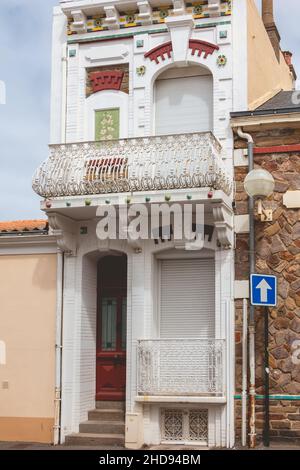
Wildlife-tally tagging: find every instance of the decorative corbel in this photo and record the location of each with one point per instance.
(125, 232)
(112, 20)
(64, 229)
(145, 12)
(178, 7)
(214, 8)
(223, 221)
(79, 24)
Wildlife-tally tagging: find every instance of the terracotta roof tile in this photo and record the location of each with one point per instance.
(23, 226)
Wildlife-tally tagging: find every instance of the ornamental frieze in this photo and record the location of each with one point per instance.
(143, 15)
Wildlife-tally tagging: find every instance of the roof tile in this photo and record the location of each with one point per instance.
(23, 226)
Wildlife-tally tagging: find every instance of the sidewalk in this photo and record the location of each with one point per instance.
(35, 446)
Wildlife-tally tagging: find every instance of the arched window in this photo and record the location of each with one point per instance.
(183, 101)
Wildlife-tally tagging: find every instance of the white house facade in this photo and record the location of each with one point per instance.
(141, 98)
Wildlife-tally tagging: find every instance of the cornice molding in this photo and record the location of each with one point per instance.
(28, 244)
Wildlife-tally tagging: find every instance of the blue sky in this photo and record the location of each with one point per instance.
(25, 54)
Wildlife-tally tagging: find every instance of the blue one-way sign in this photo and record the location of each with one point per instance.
(263, 290)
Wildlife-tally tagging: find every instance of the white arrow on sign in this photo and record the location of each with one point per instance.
(263, 286)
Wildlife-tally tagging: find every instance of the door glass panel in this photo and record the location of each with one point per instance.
(124, 323)
(109, 324)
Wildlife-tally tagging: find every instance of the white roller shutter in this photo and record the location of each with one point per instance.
(184, 104)
(187, 298)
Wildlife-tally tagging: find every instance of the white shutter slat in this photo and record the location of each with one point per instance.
(187, 299)
(184, 105)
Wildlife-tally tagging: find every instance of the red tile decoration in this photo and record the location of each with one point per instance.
(160, 51)
(106, 80)
(202, 47)
(195, 44)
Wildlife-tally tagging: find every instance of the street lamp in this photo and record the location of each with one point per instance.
(260, 183)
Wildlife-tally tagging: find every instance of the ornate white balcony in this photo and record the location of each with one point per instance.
(181, 367)
(128, 165)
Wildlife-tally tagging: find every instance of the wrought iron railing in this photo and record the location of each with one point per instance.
(182, 367)
(138, 164)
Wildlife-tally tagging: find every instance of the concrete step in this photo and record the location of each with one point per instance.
(106, 415)
(102, 427)
(92, 439)
(115, 405)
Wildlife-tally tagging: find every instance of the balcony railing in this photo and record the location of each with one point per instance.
(182, 367)
(138, 164)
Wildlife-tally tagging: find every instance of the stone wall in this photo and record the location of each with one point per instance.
(278, 253)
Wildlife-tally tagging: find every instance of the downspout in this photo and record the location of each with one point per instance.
(252, 434)
(244, 372)
(58, 347)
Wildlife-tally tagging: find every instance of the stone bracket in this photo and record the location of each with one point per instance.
(112, 19)
(79, 24)
(214, 8)
(178, 7)
(64, 229)
(223, 220)
(145, 12)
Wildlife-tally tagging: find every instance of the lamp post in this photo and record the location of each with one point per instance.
(258, 183)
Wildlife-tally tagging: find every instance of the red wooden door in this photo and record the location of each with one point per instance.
(111, 330)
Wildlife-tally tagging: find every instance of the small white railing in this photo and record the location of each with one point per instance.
(128, 165)
(182, 367)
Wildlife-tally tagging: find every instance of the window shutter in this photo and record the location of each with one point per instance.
(187, 298)
(184, 105)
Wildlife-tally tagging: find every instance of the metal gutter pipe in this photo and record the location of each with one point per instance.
(252, 433)
(244, 369)
(58, 347)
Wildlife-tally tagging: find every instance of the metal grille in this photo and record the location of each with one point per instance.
(184, 425)
(182, 367)
(198, 425)
(172, 426)
(140, 164)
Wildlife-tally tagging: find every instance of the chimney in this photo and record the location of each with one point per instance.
(271, 28)
(267, 12)
(288, 58)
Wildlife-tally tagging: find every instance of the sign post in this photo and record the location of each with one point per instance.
(264, 294)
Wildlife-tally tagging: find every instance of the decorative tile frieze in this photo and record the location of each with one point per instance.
(143, 14)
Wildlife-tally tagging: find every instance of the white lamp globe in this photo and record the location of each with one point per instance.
(259, 183)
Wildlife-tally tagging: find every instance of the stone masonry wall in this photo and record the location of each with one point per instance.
(278, 253)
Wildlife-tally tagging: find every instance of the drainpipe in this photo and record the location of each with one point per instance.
(252, 434)
(244, 369)
(58, 347)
